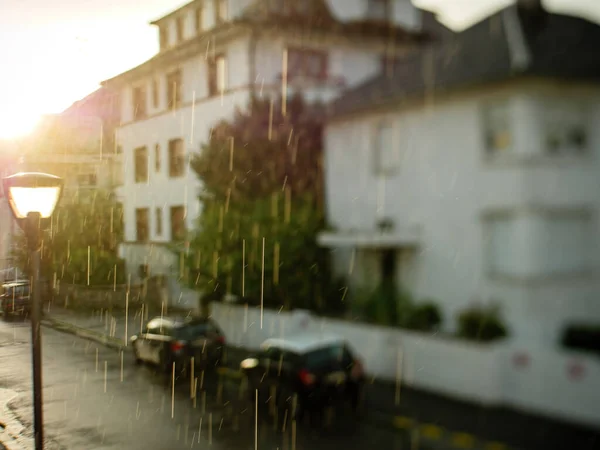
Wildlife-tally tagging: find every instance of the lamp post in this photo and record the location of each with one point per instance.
(32, 197)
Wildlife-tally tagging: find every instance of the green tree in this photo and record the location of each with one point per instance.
(83, 238)
(262, 178)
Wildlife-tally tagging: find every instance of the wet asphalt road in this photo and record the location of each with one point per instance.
(91, 400)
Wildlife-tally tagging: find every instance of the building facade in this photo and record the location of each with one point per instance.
(214, 56)
(78, 145)
(8, 226)
(475, 179)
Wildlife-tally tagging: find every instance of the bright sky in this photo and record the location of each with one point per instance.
(56, 52)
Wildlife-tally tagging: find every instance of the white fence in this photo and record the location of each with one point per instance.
(556, 383)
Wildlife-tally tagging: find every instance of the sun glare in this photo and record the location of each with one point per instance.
(17, 124)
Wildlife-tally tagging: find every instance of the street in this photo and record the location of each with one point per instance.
(93, 400)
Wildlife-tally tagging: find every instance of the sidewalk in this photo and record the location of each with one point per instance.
(114, 327)
(452, 423)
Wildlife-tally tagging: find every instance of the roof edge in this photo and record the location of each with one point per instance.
(172, 13)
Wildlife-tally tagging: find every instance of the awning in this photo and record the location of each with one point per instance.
(410, 237)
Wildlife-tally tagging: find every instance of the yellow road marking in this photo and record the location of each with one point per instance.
(403, 422)
(463, 440)
(229, 372)
(431, 431)
(495, 446)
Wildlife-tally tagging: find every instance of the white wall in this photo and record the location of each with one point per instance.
(161, 190)
(445, 184)
(403, 12)
(481, 373)
(352, 65)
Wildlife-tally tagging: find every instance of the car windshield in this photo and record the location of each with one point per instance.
(324, 356)
(194, 330)
(17, 291)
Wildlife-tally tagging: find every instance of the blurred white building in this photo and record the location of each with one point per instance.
(214, 55)
(470, 173)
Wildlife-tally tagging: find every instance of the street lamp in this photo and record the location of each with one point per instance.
(32, 198)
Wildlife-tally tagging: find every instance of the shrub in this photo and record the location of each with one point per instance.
(481, 324)
(424, 317)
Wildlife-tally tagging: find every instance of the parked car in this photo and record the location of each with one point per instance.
(314, 369)
(168, 340)
(15, 299)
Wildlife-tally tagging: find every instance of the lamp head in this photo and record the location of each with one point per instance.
(32, 193)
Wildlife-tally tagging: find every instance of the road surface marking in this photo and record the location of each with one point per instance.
(463, 440)
(403, 422)
(431, 431)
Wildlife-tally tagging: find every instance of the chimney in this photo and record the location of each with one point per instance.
(533, 12)
(530, 5)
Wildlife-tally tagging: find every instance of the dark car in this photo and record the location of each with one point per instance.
(168, 340)
(306, 373)
(15, 299)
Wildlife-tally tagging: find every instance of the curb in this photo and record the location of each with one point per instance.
(65, 327)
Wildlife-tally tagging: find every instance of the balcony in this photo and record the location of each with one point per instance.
(403, 237)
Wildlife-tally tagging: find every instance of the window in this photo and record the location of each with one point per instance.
(155, 93)
(141, 224)
(163, 38)
(176, 158)
(177, 223)
(199, 19)
(179, 28)
(159, 227)
(306, 64)
(497, 128)
(174, 89)
(564, 128)
(157, 159)
(217, 75)
(564, 244)
(220, 11)
(89, 180)
(141, 165)
(378, 9)
(501, 234)
(139, 102)
(386, 152)
(541, 244)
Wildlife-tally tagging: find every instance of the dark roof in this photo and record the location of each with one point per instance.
(510, 43)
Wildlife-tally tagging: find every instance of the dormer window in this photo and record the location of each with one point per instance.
(163, 38)
(220, 11)
(378, 9)
(199, 14)
(306, 64)
(179, 28)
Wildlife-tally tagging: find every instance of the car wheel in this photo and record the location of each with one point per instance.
(285, 401)
(356, 397)
(136, 354)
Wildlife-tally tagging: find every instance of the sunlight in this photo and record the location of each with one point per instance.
(16, 124)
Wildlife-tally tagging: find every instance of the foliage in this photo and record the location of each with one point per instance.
(481, 324)
(263, 151)
(227, 256)
(425, 316)
(89, 220)
(385, 305)
(262, 180)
